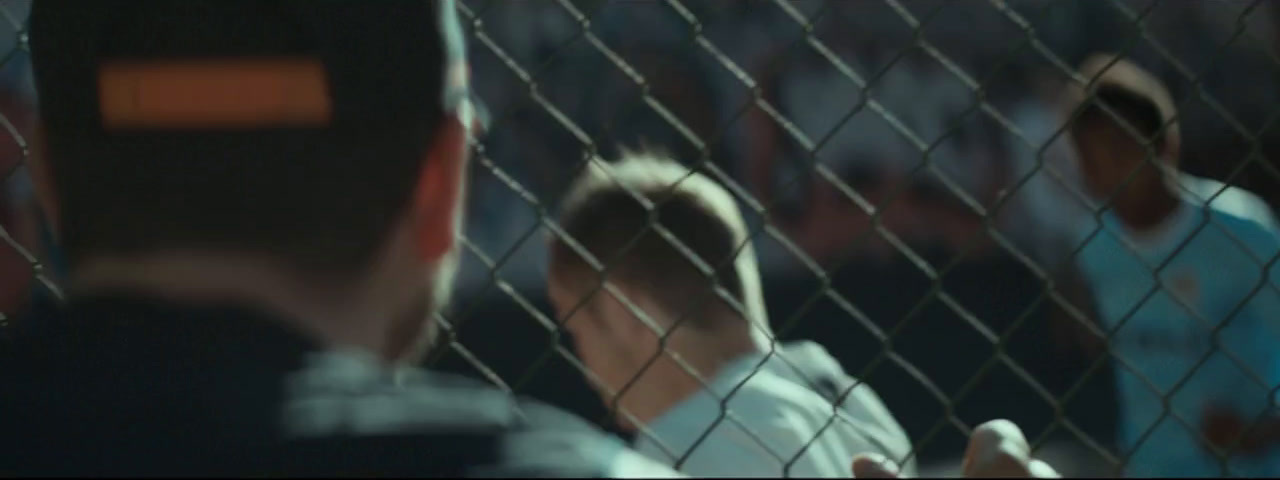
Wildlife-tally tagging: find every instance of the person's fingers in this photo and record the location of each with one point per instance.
(997, 449)
(997, 431)
(874, 465)
(1001, 463)
(1039, 469)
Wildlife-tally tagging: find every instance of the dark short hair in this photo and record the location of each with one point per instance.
(604, 216)
(1139, 112)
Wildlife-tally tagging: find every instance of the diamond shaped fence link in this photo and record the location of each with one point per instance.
(532, 76)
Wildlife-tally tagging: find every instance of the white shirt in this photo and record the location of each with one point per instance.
(1213, 276)
(782, 428)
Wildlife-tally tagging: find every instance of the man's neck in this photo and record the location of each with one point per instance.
(332, 315)
(668, 382)
(1145, 210)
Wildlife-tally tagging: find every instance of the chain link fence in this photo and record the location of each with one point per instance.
(900, 165)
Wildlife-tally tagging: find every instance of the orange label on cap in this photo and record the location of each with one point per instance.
(214, 94)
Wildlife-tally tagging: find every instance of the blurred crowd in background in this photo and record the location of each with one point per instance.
(706, 64)
(938, 116)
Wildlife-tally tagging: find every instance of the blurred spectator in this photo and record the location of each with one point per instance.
(700, 85)
(880, 155)
(1045, 189)
(617, 114)
(1181, 282)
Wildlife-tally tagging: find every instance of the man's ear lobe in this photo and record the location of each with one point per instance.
(437, 196)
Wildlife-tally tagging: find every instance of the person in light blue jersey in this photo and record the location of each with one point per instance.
(1183, 284)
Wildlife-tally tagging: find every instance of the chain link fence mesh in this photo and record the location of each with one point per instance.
(898, 162)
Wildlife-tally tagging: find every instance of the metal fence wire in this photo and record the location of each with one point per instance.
(899, 160)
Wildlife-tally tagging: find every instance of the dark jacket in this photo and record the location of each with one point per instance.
(137, 387)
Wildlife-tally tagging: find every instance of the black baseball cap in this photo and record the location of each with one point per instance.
(104, 67)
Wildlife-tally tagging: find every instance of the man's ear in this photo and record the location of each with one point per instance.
(437, 202)
(42, 178)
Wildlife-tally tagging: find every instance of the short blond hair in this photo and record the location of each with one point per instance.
(610, 211)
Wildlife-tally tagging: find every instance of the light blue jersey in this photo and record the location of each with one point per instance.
(1162, 295)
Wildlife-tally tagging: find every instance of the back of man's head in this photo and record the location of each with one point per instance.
(611, 212)
(294, 130)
